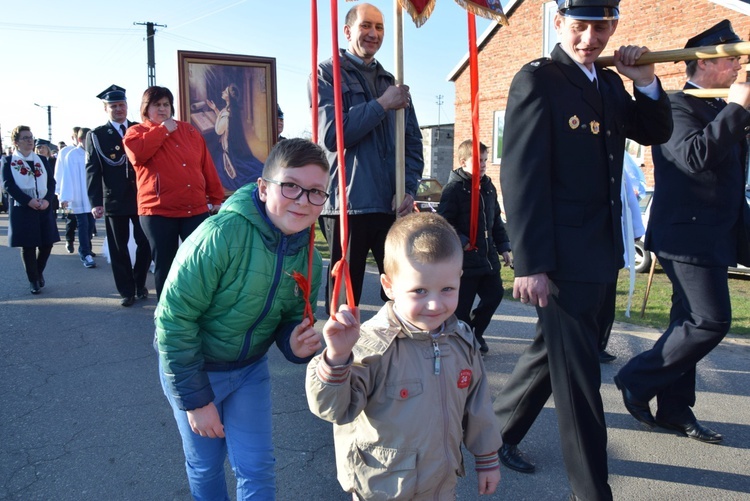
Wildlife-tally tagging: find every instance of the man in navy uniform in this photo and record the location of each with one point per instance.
(112, 192)
(697, 229)
(566, 123)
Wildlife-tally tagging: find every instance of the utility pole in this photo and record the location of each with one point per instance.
(150, 32)
(439, 102)
(49, 119)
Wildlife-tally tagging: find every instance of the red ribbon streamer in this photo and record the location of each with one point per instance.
(341, 268)
(474, 77)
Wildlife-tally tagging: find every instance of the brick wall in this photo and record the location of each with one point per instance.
(658, 25)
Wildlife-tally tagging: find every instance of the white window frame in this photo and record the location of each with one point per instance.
(549, 34)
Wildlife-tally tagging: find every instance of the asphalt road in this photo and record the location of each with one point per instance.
(82, 415)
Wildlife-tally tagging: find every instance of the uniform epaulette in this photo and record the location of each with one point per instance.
(536, 64)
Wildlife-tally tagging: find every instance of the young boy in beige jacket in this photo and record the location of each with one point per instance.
(406, 388)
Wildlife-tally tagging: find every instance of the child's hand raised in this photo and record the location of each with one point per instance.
(341, 333)
(305, 341)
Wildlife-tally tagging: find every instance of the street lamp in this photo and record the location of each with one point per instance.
(49, 119)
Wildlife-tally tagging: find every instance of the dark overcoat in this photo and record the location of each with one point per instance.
(492, 239)
(29, 227)
(562, 196)
(699, 213)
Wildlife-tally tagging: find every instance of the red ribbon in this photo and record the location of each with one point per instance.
(474, 77)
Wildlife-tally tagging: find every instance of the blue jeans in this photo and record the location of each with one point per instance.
(84, 234)
(243, 399)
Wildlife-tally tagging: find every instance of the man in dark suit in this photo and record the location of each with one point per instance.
(696, 229)
(566, 123)
(112, 192)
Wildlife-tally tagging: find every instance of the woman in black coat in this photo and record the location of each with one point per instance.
(31, 188)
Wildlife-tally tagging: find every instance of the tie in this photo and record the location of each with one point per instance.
(122, 129)
(596, 84)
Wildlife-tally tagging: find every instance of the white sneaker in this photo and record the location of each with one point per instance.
(88, 262)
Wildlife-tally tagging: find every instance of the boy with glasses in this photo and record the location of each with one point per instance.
(237, 286)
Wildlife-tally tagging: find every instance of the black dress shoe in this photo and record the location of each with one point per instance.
(41, 280)
(693, 430)
(69, 247)
(514, 459)
(639, 410)
(34, 286)
(483, 348)
(142, 293)
(605, 357)
(127, 301)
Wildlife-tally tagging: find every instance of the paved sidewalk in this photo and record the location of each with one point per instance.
(82, 415)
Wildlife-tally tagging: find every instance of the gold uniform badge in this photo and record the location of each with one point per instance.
(574, 122)
(594, 127)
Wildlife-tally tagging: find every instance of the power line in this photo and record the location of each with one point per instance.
(78, 30)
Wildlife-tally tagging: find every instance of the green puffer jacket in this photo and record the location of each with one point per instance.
(229, 295)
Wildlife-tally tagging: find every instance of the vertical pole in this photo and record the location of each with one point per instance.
(151, 58)
(400, 114)
(49, 123)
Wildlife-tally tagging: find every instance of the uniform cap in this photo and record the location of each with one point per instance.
(717, 34)
(112, 94)
(589, 10)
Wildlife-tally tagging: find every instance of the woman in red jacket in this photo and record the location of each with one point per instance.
(178, 186)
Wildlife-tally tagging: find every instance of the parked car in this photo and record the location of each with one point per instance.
(643, 258)
(428, 195)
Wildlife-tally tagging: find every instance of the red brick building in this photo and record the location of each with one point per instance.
(662, 25)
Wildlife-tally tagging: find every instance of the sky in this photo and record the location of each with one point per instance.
(62, 54)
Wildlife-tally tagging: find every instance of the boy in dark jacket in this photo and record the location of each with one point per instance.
(481, 276)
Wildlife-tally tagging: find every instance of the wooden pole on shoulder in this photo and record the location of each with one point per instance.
(671, 56)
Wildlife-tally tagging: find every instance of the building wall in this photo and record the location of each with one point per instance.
(437, 149)
(661, 25)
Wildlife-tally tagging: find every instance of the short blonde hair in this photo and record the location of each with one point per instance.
(465, 150)
(422, 237)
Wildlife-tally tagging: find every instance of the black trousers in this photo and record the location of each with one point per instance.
(128, 277)
(71, 225)
(164, 234)
(489, 288)
(607, 316)
(563, 360)
(34, 262)
(367, 233)
(700, 317)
